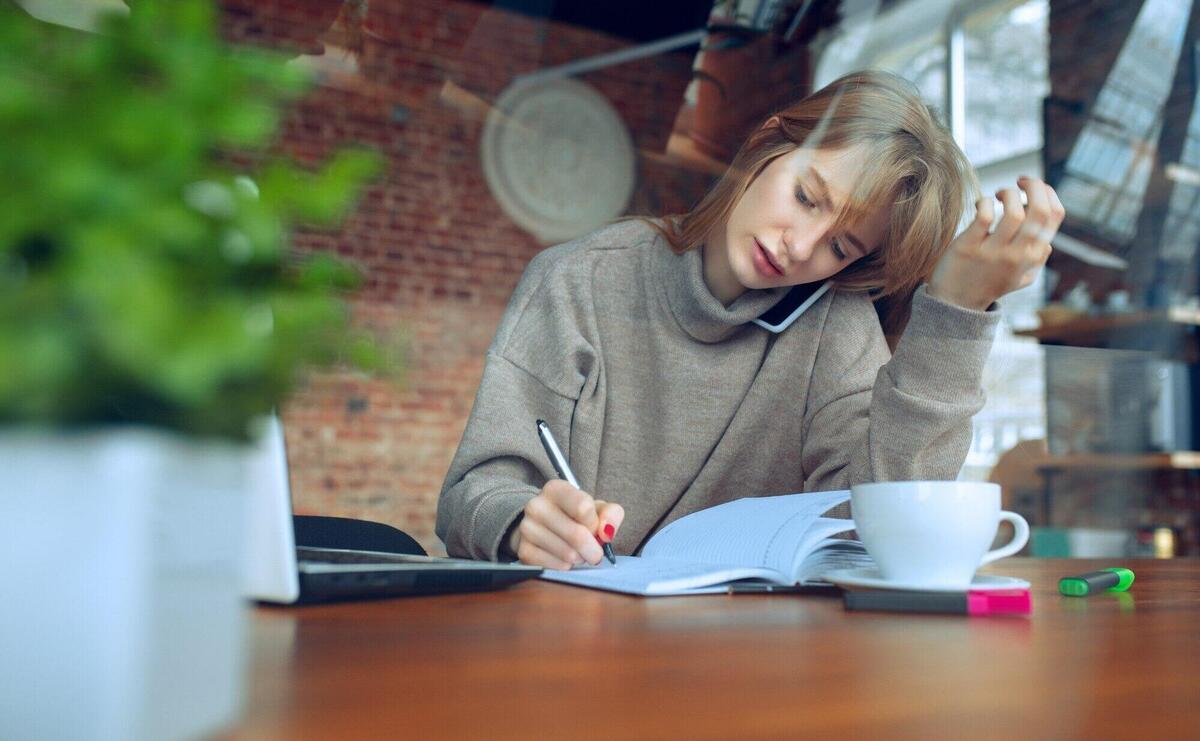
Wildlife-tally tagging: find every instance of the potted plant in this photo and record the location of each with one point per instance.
(150, 311)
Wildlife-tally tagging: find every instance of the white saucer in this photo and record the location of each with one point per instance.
(868, 576)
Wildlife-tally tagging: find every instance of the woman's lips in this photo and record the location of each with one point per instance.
(763, 262)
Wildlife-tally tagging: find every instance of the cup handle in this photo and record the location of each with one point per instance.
(1020, 538)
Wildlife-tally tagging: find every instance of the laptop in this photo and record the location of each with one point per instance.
(277, 571)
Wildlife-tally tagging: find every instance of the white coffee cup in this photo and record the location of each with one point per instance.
(932, 533)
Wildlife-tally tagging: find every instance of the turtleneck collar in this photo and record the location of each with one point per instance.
(698, 312)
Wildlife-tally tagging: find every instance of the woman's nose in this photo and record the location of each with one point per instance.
(799, 246)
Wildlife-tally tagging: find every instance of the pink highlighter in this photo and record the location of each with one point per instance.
(990, 602)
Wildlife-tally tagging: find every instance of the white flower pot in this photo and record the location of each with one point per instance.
(120, 608)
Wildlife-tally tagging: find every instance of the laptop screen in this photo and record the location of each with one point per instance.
(270, 574)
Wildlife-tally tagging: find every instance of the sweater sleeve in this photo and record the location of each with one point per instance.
(535, 367)
(497, 467)
(874, 419)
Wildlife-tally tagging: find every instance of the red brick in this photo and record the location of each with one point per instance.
(439, 257)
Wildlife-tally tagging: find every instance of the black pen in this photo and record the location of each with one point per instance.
(756, 588)
(559, 461)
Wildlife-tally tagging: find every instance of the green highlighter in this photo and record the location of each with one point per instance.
(1105, 580)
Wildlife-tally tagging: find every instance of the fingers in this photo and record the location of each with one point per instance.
(578, 505)
(551, 550)
(1041, 223)
(1046, 214)
(1025, 232)
(1030, 225)
(563, 526)
(1014, 216)
(569, 519)
(976, 271)
(537, 556)
(985, 214)
(611, 516)
(1057, 214)
(1056, 208)
(1037, 213)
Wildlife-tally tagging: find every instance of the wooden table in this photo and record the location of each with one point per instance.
(550, 661)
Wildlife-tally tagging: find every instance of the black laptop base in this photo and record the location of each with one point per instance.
(376, 584)
(329, 574)
(343, 559)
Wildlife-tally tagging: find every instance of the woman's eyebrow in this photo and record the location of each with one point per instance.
(821, 188)
(822, 194)
(858, 244)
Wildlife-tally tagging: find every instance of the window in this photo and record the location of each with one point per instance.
(922, 63)
(989, 62)
(1007, 50)
(1109, 167)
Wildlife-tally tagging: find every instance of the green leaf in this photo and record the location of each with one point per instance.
(127, 293)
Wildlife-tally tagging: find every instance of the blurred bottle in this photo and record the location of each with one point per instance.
(1155, 541)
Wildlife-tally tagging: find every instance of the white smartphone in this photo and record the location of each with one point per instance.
(797, 301)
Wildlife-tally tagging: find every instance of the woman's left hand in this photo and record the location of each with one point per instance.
(980, 267)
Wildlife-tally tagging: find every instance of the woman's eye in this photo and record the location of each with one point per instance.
(803, 198)
(837, 249)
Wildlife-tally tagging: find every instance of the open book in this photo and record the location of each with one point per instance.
(780, 540)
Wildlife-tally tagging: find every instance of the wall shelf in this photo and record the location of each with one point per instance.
(1182, 460)
(1168, 484)
(1172, 332)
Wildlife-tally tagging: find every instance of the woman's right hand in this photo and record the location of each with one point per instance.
(560, 526)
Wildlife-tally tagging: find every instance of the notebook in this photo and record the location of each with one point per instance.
(778, 540)
(279, 572)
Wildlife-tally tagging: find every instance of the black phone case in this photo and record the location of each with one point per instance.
(792, 299)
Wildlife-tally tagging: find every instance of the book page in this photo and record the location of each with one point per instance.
(772, 532)
(831, 555)
(660, 576)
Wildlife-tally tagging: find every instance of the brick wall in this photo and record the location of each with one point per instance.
(439, 256)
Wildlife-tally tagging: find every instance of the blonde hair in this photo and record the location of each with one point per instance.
(912, 164)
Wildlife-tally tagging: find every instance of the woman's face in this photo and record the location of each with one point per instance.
(779, 233)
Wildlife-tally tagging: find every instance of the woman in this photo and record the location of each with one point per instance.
(637, 344)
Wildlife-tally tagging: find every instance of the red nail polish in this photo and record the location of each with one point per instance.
(609, 531)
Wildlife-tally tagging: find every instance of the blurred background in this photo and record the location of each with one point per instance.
(508, 126)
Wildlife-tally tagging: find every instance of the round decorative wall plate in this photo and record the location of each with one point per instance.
(558, 158)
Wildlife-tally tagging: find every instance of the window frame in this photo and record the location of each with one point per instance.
(896, 27)
(996, 426)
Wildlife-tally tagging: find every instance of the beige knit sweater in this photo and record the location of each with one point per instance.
(667, 402)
